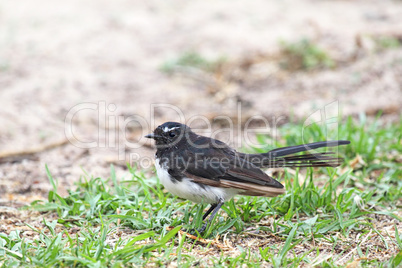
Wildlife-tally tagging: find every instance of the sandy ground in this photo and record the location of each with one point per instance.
(81, 81)
(77, 72)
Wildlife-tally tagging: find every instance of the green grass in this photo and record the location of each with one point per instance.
(386, 42)
(304, 55)
(327, 218)
(191, 59)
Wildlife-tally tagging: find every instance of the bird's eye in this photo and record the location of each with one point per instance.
(172, 134)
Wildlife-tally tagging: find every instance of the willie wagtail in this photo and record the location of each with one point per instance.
(206, 170)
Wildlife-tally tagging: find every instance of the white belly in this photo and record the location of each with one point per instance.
(190, 190)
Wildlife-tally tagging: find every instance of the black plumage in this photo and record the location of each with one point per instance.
(203, 169)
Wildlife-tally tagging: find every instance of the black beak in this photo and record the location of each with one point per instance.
(152, 136)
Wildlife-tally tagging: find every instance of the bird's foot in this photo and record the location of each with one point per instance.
(198, 231)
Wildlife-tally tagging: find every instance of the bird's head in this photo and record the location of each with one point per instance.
(169, 134)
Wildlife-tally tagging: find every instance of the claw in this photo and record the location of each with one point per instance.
(198, 231)
(203, 227)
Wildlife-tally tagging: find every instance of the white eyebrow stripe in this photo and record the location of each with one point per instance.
(166, 129)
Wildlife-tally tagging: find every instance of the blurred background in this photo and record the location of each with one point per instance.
(272, 58)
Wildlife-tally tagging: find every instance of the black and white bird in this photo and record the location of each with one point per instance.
(206, 170)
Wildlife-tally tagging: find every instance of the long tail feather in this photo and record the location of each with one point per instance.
(283, 157)
(308, 160)
(304, 147)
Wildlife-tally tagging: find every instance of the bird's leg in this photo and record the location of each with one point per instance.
(214, 208)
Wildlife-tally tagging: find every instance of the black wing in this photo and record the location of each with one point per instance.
(213, 160)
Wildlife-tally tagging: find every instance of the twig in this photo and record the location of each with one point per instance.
(353, 250)
(200, 239)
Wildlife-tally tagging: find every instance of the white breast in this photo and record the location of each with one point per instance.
(190, 190)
